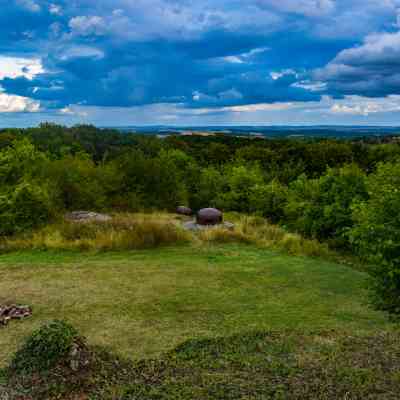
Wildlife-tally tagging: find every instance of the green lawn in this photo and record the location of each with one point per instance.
(143, 303)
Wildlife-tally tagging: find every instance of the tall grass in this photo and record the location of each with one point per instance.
(257, 230)
(142, 231)
(122, 232)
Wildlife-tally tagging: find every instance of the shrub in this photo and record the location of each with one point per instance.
(376, 235)
(206, 190)
(80, 184)
(156, 181)
(321, 208)
(45, 348)
(269, 200)
(240, 181)
(20, 161)
(25, 198)
(23, 207)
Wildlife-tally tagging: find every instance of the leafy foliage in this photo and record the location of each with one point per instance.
(26, 201)
(45, 348)
(321, 208)
(269, 200)
(376, 234)
(24, 207)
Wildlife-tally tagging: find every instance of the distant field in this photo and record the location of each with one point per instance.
(143, 303)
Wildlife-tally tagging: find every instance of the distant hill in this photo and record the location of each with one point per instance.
(341, 132)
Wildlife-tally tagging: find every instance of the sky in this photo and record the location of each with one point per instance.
(200, 62)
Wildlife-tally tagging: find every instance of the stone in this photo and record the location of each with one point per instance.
(229, 226)
(182, 210)
(9, 312)
(209, 216)
(195, 227)
(86, 216)
(79, 355)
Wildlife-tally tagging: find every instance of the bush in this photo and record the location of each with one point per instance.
(155, 181)
(207, 188)
(80, 184)
(376, 235)
(45, 348)
(321, 208)
(269, 200)
(25, 198)
(23, 207)
(240, 183)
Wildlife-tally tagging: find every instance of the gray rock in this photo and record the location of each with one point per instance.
(86, 216)
(195, 227)
(229, 226)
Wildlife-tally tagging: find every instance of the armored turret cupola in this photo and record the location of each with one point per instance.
(209, 216)
(182, 210)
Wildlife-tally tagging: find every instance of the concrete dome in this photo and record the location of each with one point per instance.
(209, 216)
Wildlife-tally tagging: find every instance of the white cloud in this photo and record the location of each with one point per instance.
(14, 67)
(357, 105)
(233, 59)
(29, 5)
(380, 47)
(245, 57)
(248, 108)
(55, 9)
(275, 75)
(73, 111)
(87, 25)
(312, 8)
(81, 52)
(14, 104)
(147, 19)
(259, 107)
(310, 85)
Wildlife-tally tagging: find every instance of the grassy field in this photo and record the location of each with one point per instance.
(140, 304)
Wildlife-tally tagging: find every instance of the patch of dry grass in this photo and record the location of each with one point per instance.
(122, 232)
(257, 230)
(142, 231)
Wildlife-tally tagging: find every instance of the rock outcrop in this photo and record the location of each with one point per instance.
(86, 216)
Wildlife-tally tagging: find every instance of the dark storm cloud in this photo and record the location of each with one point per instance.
(371, 69)
(206, 53)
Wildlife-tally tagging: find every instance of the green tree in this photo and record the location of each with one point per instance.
(321, 208)
(376, 234)
(154, 182)
(26, 199)
(78, 182)
(241, 182)
(269, 200)
(208, 188)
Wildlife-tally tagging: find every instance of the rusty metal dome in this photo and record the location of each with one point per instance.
(209, 216)
(182, 210)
